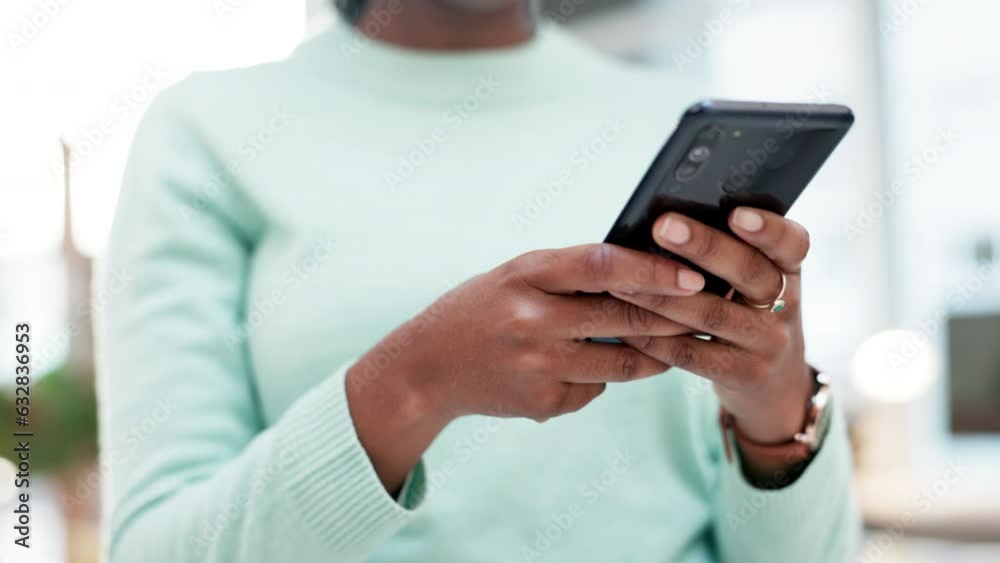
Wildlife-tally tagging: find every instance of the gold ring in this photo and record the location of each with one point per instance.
(779, 302)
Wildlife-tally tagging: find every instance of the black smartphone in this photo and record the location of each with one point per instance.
(727, 154)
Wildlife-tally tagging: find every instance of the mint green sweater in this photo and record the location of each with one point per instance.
(278, 221)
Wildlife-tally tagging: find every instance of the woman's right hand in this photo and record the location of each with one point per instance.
(512, 343)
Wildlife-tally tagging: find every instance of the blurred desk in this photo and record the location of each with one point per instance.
(921, 550)
(966, 509)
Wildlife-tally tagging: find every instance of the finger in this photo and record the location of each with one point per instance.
(746, 268)
(721, 362)
(596, 268)
(596, 362)
(782, 240)
(714, 315)
(580, 395)
(602, 316)
(563, 398)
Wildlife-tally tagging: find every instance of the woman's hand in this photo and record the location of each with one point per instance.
(512, 342)
(756, 358)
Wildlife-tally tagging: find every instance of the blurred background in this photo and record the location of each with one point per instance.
(902, 285)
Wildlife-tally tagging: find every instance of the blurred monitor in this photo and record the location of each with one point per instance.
(974, 373)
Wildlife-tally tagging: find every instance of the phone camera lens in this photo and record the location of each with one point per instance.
(699, 154)
(709, 135)
(686, 171)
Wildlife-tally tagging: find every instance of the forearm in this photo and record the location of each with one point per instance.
(306, 481)
(395, 419)
(210, 483)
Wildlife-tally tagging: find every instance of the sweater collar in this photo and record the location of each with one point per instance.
(542, 69)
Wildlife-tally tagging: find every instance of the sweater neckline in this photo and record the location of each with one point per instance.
(534, 71)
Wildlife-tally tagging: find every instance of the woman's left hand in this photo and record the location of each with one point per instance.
(756, 357)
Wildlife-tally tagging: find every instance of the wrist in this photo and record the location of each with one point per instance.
(394, 417)
(778, 464)
(400, 396)
(775, 413)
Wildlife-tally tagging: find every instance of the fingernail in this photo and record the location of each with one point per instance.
(691, 281)
(748, 220)
(675, 231)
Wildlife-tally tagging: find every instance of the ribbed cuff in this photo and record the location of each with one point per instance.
(812, 519)
(331, 482)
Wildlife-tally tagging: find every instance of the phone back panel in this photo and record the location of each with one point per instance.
(751, 154)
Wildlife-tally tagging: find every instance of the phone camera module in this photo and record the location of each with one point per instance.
(699, 154)
(709, 135)
(686, 171)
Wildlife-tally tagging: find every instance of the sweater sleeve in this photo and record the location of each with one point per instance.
(812, 520)
(195, 475)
